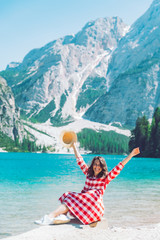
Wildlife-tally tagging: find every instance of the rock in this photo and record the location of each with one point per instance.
(61, 80)
(133, 74)
(10, 123)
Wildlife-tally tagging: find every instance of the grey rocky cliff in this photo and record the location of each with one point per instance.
(132, 96)
(61, 80)
(105, 73)
(133, 74)
(140, 43)
(9, 114)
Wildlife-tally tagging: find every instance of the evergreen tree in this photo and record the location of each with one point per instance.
(140, 135)
(147, 137)
(151, 139)
(44, 149)
(157, 138)
(154, 143)
(103, 142)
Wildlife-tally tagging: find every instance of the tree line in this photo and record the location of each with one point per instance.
(15, 145)
(147, 136)
(103, 142)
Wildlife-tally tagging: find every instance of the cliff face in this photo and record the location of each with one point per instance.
(106, 73)
(133, 74)
(9, 114)
(61, 80)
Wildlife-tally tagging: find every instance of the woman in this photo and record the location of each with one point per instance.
(87, 206)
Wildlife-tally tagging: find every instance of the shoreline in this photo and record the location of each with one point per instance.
(78, 231)
(2, 150)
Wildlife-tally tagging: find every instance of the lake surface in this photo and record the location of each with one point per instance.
(30, 185)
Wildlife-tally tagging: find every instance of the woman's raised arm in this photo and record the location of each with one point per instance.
(117, 169)
(76, 152)
(80, 160)
(134, 152)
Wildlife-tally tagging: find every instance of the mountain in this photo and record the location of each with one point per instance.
(10, 123)
(133, 74)
(60, 81)
(106, 73)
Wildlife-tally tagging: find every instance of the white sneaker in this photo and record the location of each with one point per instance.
(46, 220)
(61, 219)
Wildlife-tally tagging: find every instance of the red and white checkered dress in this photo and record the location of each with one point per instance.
(88, 206)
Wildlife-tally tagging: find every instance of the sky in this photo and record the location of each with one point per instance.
(29, 24)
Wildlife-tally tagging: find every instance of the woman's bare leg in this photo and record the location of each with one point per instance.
(62, 209)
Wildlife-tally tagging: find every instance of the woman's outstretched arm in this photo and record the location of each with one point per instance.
(117, 169)
(76, 152)
(80, 160)
(134, 152)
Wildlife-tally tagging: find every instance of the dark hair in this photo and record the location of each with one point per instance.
(103, 165)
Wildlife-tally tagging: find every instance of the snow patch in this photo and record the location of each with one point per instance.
(134, 44)
(48, 135)
(125, 30)
(13, 64)
(33, 68)
(153, 29)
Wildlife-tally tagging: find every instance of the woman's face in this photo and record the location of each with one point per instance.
(96, 167)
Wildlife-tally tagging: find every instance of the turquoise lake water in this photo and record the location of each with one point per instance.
(30, 185)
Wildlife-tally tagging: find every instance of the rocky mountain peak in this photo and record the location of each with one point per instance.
(141, 42)
(12, 65)
(59, 81)
(107, 73)
(155, 3)
(133, 74)
(102, 31)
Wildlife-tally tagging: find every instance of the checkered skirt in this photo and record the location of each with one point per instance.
(88, 206)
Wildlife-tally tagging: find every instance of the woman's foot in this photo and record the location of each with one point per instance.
(61, 219)
(46, 220)
(93, 224)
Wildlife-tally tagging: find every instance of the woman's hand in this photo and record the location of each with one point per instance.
(135, 152)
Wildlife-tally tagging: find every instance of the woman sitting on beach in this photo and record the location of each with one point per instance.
(87, 206)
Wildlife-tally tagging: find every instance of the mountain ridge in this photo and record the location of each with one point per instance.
(133, 74)
(107, 72)
(65, 77)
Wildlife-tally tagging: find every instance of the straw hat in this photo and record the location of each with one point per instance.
(67, 138)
